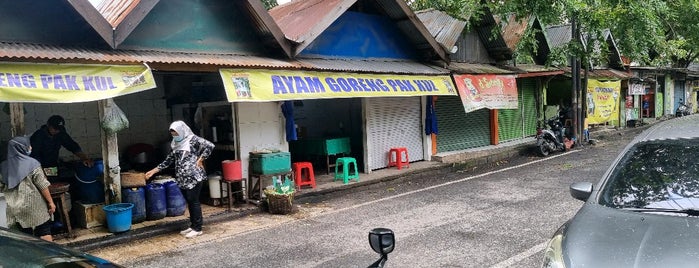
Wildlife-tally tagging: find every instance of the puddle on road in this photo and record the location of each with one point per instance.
(158, 245)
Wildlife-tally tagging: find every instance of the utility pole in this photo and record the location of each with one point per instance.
(575, 74)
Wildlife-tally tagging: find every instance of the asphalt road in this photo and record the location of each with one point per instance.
(496, 216)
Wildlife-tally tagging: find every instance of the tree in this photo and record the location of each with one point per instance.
(652, 32)
(269, 4)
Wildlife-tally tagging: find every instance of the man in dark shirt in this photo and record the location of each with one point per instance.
(47, 141)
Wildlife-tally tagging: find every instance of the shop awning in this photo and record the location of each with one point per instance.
(68, 83)
(246, 85)
(487, 91)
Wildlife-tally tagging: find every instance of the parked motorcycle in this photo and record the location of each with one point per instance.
(551, 139)
(682, 109)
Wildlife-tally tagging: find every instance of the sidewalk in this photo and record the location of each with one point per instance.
(93, 238)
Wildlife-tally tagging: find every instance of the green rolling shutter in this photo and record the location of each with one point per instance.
(459, 130)
(510, 122)
(528, 87)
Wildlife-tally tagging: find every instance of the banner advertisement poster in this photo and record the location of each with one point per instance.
(69, 83)
(487, 91)
(245, 85)
(636, 89)
(603, 101)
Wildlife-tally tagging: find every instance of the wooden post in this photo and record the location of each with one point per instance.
(494, 133)
(110, 157)
(17, 119)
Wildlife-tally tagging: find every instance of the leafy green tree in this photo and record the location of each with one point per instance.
(657, 32)
(269, 4)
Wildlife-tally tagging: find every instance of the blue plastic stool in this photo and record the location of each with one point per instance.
(346, 164)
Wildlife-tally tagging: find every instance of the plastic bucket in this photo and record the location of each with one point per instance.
(118, 217)
(90, 189)
(137, 197)
(214, 185)
(232, 170)
(156, 201)
(175, 201)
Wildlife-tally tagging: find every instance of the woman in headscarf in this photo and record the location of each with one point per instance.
(26, 189)
(188, 154)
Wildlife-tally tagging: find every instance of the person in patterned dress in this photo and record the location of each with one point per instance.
(26, 189)
(188, 154)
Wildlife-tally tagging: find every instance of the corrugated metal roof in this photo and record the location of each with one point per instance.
(371, 66)
(494, 43)
(512, 30)
(603, 73)
(32, 52)
(475, 68)
(559, 35)
(114, 11)
(534, 70)
(445, 28)
(301, 20)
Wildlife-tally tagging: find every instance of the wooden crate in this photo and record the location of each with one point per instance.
(88, 215)
(133, 179)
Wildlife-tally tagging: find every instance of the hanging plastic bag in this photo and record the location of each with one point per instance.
(114, 119)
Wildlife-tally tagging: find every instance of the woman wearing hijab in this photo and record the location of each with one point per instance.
(26, 189)
(188, 154)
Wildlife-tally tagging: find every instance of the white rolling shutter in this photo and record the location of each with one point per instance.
(393, 122)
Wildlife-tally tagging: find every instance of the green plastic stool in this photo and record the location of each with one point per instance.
(346, 164)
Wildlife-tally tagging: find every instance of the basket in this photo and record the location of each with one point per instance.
(133, 179)
(279, 203)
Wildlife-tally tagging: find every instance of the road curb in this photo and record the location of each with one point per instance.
(154, 230)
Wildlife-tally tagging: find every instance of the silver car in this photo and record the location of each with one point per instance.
(645, 210)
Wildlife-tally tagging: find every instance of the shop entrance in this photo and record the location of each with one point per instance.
(328, 122)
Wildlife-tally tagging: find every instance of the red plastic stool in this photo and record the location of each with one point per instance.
(397, 154)
(300, 180)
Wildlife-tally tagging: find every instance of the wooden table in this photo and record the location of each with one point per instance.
(321, 147)
(58, 192)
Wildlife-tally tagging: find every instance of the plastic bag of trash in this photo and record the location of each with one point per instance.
(114, 119)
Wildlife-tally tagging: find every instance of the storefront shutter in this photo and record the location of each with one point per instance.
(393, 122)
(529, 106)
(510, 122)
(459, 130)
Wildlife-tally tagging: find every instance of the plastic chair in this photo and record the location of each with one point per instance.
(397, 154)
(303, 168)
(346, 163)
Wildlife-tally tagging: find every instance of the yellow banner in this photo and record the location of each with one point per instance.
(66, 83)
(603, 101)
(273, 85)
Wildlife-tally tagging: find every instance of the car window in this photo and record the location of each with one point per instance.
(657, 174)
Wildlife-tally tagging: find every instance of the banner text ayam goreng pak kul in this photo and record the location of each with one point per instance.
(67, 83)
(271, 85)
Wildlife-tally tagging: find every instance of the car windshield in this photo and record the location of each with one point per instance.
(661, 174)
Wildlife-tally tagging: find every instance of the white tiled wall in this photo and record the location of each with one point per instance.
(261, 126)
(147, 113)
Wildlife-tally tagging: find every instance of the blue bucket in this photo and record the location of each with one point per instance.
(89, 186)
(118, 217)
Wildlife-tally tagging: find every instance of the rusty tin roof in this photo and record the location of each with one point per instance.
(34, 52)
(445, 28)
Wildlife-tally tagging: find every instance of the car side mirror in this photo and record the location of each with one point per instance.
(581, 190)
(382, 241)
